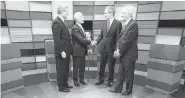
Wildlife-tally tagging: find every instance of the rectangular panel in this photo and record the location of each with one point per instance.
(83, 9)
(40, 16)
(88, 25)
(40, 38)
(88, 16)
(3, 14)
(42, 31)
(39, 45)
(99, 17)
(43, 7)
(4, 22)
(19, 23)
(17, 15)
(11, 66)
(41, 23)
(28, 59)
(28, 66)
(146, 40)
(148, 16)
(149, 32)
(40, 58)
(149, 7)
(184, 33)
(12, 84)
(183, 42)
(97, 31)
(169, 5)
(41, 65)
(17, 5)
(40, 51)
(5, 39)
(104, 2)
(143, 46)
(169, 31)
(99, 24)
(49, 45)
(171, 23)
(172, 15)
(147, 24)
(9, 51)
(2, 5)
(27, 52)
(167, 39)
(99, 9)
(24, 45)
(83, 2)
(143, 57)
(148, 2)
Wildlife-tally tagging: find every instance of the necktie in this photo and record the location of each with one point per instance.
(108, 25)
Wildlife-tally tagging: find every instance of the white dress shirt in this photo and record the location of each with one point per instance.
(80, 27)
(111, 20)
(61, 18)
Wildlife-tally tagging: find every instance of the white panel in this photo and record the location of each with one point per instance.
(43, 7)
(173, 15)
(119, 8)
(99, 17)
(27, 59)
(2, 5)
(143, 57)
(19, 23)
(5, 39)
(40, 58)
(88, 17)
(143, 46)
(167, 39)
(41, 23)
(104, 2)
(148, 16)
(69, 4)
(173, 5)
(33, 72)
(17, 5)
(40, 31)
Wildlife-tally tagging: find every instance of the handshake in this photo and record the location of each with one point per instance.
(88, 36)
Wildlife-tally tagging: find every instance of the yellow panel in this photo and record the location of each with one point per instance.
(40, 58)
(17, 5)
(42, 31)
(69, 4)
(173, 5)
(148, 16)
(43, 7)
(99, 17)
(167, 39)
(41, 23)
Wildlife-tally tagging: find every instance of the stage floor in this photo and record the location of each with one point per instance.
(49, 90)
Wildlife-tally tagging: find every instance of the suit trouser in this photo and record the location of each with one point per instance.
(62, 68)
(78, 67)
(125, 72)
(106, 57)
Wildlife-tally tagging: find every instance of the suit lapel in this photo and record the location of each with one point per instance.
(81, 31)
(126, 28)
(62, 23)
(113, 23)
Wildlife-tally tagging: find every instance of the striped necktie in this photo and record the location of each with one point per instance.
(108, 25)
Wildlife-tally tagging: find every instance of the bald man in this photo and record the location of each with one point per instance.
(80, 49)
(63, 48)
(126, 51)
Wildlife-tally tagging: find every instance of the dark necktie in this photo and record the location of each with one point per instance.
(108, 25)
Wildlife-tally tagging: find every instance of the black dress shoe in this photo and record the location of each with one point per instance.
(64, 90)
(113, 91)
(68, 86)
(83, 82)
(127, 93)
(99, 82)
(109, 84)
(76, 84)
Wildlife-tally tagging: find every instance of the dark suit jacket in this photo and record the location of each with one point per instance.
(109, 37)
(79, 41)
(61, 36)
(127, 42)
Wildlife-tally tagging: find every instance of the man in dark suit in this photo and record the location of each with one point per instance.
(108, 36)
(127, 51)
(63, 48)
(80, 49)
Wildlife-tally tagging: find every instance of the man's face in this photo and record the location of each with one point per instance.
(107, 15)
(81, 19)
(65, 13)
(124, 16)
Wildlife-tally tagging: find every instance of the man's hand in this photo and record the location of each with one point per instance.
(89, 51)
(63, 54)
(116, 53)
(93, 43)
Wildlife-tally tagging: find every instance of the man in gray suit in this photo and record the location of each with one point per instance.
(108, 37)
(80, 49)
(127, 51)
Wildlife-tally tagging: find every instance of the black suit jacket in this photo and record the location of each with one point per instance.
(109, 37)
(79, 41)
(127, 42)
(62, 38)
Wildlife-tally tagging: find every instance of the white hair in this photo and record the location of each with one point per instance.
(130, 10)
(61, 9)
(77, 15)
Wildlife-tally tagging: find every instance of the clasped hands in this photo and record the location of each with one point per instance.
(116, 53)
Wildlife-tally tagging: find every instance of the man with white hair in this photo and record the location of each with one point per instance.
(63, 48)
(108, 38)
(80, 49)
(126, 51)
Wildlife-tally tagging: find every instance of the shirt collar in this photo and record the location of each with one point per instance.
(61, 18)
(111, 20)
(126, 23)
(80, 26)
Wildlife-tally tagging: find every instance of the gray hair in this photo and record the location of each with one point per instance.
(129, 9)
(111, 9)
(61, 9)
(76, 15)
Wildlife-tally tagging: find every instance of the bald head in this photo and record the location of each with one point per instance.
(63, 11)
(78, 16)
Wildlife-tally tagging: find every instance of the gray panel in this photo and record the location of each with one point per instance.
(149, 7)
(11, 66)
(146, 40)
(2, 5)
(125, 2)
(149, 2)
(141, 67)
(184, 33)
(49, 45)
(40, 16)
(88, 16)
(12, 84)
(143, 57)
(39, 45)
(147, 24)
(9, 51)
(41, 65)
(40, 38)
(83, 9)
(19, 23)
(150, 32)
(99, 24)
(3, 14)
(99, 9)
(28, 66)
(17, 15)
(172, 15)
(83, 3)
(182, 42)
(148, 16)
(174, 32)
(173, 5)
